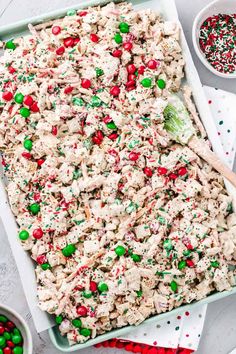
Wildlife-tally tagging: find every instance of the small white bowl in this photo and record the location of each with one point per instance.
(216, 7)
(21, 324)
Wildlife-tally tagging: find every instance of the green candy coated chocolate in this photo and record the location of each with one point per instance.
(18, 350)
(28, 144)
(86, 332)
(139, 293)
(3, 319)
(87, 294)
(168, 245)
(19, 98)
(2, 342)
(146, 82)
(118, 38)
(96, 101)
(25, 112)
(7, 335)
(136, 257)
(120, 251)
(99, 72)
(124, 27)
(77, 322)
(34, 208)
(23, 236)
(10, 45)
(111, 125)
(1, 351)
(59, 319)
(161, 84)
(68, 250)
(16, 339)
(215, 264)
(77, 174)
(78, 101)
(102, 287)
(71, 12)
(45, 266)
(174, 286)
(186, 253)
(182, 265)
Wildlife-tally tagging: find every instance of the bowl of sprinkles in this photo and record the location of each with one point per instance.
(15, 336)
(214, 37)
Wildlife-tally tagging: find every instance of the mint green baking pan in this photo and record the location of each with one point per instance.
(168, 10)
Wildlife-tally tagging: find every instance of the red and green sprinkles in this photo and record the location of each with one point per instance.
(218, 40)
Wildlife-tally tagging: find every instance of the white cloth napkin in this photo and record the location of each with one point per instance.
(185, 329)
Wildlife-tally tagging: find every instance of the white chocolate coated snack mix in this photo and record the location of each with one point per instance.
(122, 222)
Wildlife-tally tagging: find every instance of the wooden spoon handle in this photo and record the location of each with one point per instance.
(203, 150)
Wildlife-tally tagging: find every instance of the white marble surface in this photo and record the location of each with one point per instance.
(219, 336)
